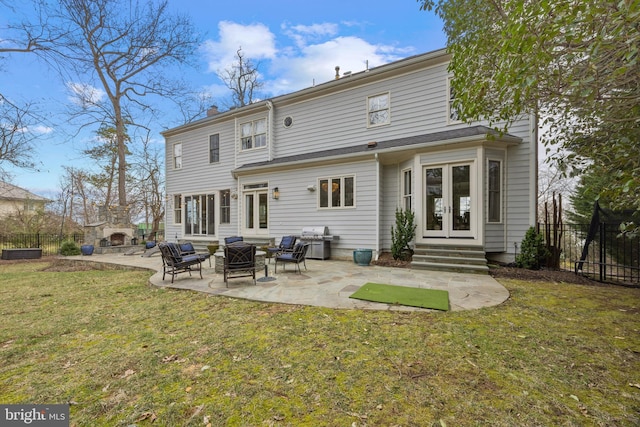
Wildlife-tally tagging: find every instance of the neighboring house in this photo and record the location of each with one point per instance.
(345, 154)
(18, 201)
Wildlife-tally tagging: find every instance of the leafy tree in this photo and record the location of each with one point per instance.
(572, 63)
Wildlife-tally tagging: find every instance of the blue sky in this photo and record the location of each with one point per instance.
(295, 43)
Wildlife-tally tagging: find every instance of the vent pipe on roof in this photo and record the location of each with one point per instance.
(337, 72)
(212, 111)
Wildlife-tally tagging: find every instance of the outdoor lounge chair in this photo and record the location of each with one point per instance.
(239, 261)
(287, 244)
(174, 262)
(296, 257)
(187, 248)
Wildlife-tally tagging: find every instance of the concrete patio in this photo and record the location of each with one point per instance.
(325, 283)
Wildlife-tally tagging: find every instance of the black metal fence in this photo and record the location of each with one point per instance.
(609, 257)
(50, 243)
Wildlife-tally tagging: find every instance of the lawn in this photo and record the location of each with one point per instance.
(124, 353)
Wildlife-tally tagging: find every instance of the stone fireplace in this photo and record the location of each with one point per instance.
(112, 230)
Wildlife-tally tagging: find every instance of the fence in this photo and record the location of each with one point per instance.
(50, 243)
(609, 257)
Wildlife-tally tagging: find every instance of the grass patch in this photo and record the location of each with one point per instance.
(125, 353)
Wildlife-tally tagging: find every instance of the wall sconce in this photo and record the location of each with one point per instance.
(276, 193)
(311, 188)
(234, 195)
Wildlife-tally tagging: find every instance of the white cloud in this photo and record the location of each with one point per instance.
(256, 40)
(303, 34)
(84, 94)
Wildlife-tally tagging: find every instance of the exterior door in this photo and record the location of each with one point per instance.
(448, 204)
(255, 215)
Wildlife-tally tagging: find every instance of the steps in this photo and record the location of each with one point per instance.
(457, 258)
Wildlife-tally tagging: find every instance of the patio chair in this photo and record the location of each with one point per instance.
(186, 248)
(239, 261)
(287, 244)
(296, 257)
(173, 262)
(232, 239)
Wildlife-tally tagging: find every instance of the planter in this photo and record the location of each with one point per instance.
(362, 256)
(86, 249)
(213, 249)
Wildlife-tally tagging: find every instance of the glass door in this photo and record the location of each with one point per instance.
(448, 204)
(256, 213)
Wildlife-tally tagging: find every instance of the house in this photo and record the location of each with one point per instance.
(16, 201)
(345, 154)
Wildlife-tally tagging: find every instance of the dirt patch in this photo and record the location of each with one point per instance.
(386, 260)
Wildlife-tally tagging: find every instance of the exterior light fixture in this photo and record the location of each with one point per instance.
(276, 193)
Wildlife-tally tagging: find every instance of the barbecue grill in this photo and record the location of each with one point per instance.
(319, 241)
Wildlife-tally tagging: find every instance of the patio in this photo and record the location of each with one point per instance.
(325, 283)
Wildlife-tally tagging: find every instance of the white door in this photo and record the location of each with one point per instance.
(449, 210)
(255, 219)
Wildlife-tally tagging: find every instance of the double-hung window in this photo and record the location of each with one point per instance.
(337, 192)
(452, 112)
(406, 189)
(378, 110)
(177, 156)
(253, 134)
(214, 148)
(177, 209)
(225, 207)
(494, 188)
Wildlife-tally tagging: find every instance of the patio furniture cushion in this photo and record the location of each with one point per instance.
(287, 244)
(233, 239)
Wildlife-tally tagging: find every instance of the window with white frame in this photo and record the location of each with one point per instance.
(177, 156)
(452, 112)
(214, 148)
(225, 207)
(253, 134)
(378, 110)
(494, 191)
(177, 209)
(406, 189)
(200, 218)
(337, 192)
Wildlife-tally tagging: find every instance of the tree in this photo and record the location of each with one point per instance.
(150, 182)
(118, 48)
(242, 79)
(574, 64)
(15, 139)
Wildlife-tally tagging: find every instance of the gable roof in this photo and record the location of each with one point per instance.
(12, 192)
(398, 144)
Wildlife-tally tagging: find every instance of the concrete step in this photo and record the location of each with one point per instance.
(455, 258)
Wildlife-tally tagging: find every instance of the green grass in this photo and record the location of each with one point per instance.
(125, 353)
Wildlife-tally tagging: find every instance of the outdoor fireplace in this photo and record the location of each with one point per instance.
(117, 239)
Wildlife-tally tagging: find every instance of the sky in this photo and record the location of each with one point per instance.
(295, 45)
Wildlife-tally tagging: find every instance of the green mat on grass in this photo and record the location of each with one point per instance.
(403, 295)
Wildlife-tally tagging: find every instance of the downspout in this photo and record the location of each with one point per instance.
(377, 207)
(269, 137)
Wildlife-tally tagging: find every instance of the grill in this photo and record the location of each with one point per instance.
(319, 241)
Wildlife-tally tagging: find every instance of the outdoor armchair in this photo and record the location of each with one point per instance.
(296, 257)
(239, 261)
(174, 262)
(187, 248)
(232, 239)
(287, 244)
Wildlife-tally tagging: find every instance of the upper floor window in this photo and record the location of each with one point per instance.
(214, 148)
(177, 209)
(406, 189)
(452, 112)
(177, 156)
(378, 110)
(253, 134)
(337, 192)
(494, 188)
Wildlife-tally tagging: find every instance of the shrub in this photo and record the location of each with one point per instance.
(69, 248)
(402, 234)
(532, 251)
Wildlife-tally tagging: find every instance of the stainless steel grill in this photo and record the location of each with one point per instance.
(320, 241)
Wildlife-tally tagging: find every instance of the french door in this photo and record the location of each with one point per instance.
(255, 219)
(449, 210)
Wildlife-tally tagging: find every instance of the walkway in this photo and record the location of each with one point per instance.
(324, 283)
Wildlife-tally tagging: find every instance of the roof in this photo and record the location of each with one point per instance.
(12, 192)
(448, 136)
